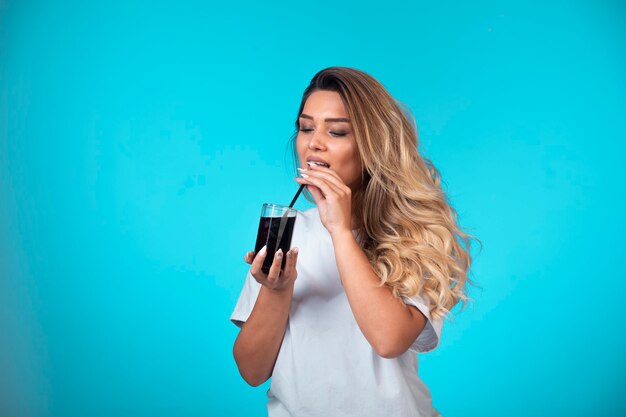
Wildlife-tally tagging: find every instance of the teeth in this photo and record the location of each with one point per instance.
(321, 164)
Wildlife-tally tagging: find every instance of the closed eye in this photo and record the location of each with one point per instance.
(331, 133)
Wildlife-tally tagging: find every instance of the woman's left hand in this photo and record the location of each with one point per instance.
(332, 196)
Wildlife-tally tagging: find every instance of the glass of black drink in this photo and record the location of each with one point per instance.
(275, 231)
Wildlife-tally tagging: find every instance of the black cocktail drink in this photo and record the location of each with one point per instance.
(275, 230)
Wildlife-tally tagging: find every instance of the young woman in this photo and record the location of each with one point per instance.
(380, 262)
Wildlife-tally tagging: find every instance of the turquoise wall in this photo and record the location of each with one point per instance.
(138, 141)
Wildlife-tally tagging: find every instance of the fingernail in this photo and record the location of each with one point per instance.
(263, 250)
(295, 251)
(302, 170)
(289, 254)
(279, 253)
(304, 175)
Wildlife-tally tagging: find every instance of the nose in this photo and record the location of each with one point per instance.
(316, 142)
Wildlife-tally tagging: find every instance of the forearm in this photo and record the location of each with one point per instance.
(386, 321)
(260, 338)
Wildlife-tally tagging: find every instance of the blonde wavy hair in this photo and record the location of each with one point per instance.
(408, 230)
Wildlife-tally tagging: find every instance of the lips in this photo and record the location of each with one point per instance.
(318, 162)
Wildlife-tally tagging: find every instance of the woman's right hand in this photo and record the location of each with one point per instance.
(276, 279)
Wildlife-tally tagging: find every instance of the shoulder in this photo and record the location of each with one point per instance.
(308, 218)
(308, 224)
(308, 213)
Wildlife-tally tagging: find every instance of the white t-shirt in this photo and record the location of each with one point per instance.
(325, 366)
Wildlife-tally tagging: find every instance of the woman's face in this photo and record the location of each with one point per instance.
(326, 135)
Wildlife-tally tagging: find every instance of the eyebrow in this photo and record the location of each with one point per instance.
(330, 119)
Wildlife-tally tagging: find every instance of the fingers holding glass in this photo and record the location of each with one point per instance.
(257, 264)
(290, 265)
(249, 257)
(274, 273)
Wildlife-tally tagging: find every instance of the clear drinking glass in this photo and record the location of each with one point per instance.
(275, 231)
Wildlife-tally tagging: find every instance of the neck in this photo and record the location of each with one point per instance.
(356, 216)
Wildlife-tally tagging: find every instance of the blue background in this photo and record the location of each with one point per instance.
(138, 141)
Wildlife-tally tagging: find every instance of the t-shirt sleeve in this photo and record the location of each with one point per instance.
(429, 338)
(246, 301)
